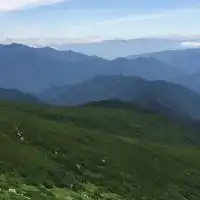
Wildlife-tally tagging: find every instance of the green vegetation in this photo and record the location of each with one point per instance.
(54, 152)
(87, 192)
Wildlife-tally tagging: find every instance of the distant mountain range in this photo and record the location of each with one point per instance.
(167, 98)
(111, 49)
(36, 69)
(70, 78)
(191, 81)
(188, 61)
(15, 95)
(95, 89)
(146, 67)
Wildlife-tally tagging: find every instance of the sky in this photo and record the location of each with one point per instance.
(95, 20)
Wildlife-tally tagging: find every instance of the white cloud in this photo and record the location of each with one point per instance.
(10, 5)
(50, 41)
(189, 44)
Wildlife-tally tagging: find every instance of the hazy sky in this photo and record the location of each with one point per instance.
(98, 19)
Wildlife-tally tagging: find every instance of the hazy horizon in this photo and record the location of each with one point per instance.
(89, 21)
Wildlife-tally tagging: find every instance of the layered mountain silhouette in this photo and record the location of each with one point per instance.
(15, 95)
(186, 60)
(89, 78)
(146, 67)
(191, 81)
(32, 70)
(95, 89)
(167, 98)
(36, 69)
(111, 49)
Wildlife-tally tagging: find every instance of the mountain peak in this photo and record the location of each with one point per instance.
(17, 45)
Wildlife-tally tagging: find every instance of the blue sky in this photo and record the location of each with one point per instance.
(77, 20)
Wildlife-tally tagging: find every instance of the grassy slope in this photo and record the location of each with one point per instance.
(131, 153)
(87, 192)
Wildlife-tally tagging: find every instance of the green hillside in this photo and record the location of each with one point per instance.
(53, 152)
